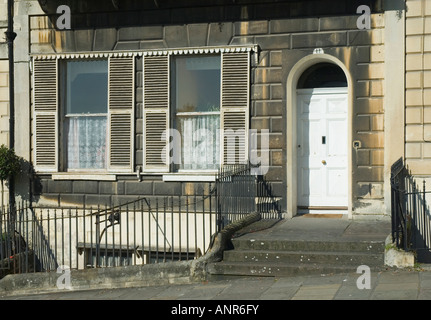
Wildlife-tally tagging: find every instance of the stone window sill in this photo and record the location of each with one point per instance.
(187, 177)
(84, 176)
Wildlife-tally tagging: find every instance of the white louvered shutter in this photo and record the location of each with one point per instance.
(121, 113)
(235, 106)
(45, 115)
(156, 113)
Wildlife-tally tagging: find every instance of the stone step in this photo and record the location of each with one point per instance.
(223, 268)
(264, 257)
(317, 257)
(302, 245)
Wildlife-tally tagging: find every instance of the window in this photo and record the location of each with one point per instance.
(196, 110)
(322, 75)
(111, 258)
(203, 95)
(88, 101)
(85, 114)
(109, 255)
(84, 117)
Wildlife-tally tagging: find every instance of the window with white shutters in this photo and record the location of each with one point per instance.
(88, 101)
(163, 124)
(50, 144)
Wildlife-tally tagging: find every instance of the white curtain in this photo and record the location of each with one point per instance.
(86, 147)
(200, 142)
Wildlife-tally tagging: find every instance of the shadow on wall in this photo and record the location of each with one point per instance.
(395, 5)
(27, 184)
(115, 13)
(391, 5)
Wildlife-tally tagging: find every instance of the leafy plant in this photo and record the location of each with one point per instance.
(9, 163)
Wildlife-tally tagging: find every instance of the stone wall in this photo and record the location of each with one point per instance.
(4, 102)
(4, 82)
(4, 113)
(282, 42)
(125, 189)
(418, 87)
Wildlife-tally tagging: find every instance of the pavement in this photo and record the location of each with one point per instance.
(387, 284)
(414, 284)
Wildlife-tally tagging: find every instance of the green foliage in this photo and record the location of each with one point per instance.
(390, 246)
(10, 163)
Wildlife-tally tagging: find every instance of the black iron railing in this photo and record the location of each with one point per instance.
(241, 191)
(398, 207)
(410, 213)
(145, 230)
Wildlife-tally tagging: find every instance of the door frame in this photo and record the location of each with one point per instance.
(291, 128)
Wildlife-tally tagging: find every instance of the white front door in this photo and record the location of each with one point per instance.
(322, 148)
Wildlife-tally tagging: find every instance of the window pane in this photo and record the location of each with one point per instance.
(200, 136)
(322, 75)
(197, 83)
(86, 138)
(112, 259)
(87, 86)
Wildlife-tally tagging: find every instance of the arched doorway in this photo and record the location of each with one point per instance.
(322, 125)
(324, 77)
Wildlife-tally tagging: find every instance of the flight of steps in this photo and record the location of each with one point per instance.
(253, 257)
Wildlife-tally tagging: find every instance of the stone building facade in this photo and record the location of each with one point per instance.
(284, 44)
(418, 87)
(4, 84)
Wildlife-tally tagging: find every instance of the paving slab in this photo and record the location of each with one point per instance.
(279, 293)
(393, 294)
(352, 292)
(425, 280)
(424, 295)
(246, 288)
(288, 282)
(205, 291)
(385, 285)
(317, 292)
(396, 277)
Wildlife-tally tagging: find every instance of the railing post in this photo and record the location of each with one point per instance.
(405, 231)
(425, 229)
(217, 192)
(25, 218)
(97, 239)
(76, 237)
(392, 209)
(179, 228)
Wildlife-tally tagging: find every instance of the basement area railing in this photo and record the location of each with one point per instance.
(146, 230)
(410, 212)
(140, 232)
(240, 191)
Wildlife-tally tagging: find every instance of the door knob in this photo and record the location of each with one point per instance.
(324, 162)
